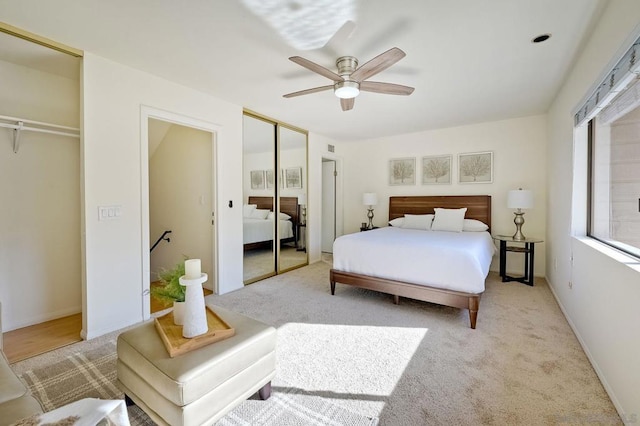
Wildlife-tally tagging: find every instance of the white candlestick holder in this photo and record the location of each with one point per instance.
(195, 314)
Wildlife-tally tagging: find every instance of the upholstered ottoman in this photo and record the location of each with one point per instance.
(200, 386)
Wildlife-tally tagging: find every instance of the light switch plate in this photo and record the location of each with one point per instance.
(109, 212)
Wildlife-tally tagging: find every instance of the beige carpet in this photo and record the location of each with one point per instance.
(419, 363)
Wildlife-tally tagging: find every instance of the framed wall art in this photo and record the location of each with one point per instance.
(268, 177)
(293, 177)
(402, 171)
(436, 169)
(257, 179)
(475, 167)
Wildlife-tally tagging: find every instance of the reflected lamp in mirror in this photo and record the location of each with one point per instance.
(519, 199)
(302, 204)
(370, 199)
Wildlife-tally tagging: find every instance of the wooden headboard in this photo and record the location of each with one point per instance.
(288, 205)
(478, 206)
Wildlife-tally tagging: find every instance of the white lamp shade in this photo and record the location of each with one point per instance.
(369, 198)
(520, 199)
(302, 199)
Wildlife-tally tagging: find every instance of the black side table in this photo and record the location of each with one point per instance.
(507, 243)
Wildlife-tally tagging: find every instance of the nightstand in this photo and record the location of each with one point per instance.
(362, 229)
(508, 244)
(301, 244)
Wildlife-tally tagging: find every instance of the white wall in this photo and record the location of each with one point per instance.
(602, 304)
(112, 98)
(180, 191)
(40, 200)
(518, 147)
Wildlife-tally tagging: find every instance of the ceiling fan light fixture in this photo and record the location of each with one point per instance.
(346, 89)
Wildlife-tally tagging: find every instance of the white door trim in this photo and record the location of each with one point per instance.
(147, 112)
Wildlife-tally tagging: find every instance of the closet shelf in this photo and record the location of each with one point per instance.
(20, 124)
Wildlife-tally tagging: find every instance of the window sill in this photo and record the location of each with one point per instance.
(610, 252)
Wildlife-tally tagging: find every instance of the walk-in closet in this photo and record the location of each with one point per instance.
(40, 190)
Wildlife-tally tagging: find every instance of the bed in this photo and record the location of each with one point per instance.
(258, 232)
(362, 259)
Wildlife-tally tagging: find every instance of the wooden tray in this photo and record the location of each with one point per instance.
(171, 334)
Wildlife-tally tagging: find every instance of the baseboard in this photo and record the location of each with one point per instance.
(591, 359)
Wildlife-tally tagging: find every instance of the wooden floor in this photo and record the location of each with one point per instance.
(37, 339)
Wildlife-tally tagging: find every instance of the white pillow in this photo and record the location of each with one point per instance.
(247, 209)
(472, 225)
(283, 216)
(259, 214)
(417, 221)
(448, 220)
(397, 222)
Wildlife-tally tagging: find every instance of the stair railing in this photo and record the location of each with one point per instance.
(162, 237)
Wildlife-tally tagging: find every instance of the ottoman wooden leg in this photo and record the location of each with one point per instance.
(128, 401)
(265, 391)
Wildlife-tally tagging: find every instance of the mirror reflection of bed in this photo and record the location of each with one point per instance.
(258, 235)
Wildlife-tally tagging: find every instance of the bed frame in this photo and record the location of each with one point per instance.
(478, 207)
(288, 205)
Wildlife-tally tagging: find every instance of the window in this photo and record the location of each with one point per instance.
(614, 172)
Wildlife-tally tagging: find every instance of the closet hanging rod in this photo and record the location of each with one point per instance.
(35, 129)
(37, 123)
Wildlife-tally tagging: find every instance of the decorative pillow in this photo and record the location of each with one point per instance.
(397, 222)
(247, 209)
(417, 221)
(472, 225)
(448, 220)
(283, 216)
(259, 214)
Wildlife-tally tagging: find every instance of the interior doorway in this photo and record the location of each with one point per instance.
(179, 195)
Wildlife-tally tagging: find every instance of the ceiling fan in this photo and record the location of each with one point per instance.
(350, 80)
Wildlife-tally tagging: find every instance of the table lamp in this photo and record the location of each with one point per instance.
(519, 199)
(370, 199)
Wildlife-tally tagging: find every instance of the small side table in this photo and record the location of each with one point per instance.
(507, 243)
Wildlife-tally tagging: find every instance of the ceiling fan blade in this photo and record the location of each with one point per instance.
(386, 88)
(347, 104)
(378, 64)
(318, 69)
(308, 91)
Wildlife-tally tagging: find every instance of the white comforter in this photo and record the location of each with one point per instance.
(257, 230)
(450, 260)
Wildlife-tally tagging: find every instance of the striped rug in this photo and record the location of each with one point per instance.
(92, 374)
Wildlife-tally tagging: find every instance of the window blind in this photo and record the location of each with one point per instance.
(625, 72)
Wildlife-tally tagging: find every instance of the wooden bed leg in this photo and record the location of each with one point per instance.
(396, 299)
(265, 392)
(474, 303)
(333, 288)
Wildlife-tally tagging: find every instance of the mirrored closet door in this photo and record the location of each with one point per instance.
(274, 197)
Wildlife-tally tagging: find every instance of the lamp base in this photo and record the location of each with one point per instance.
(519, 221)
(370, 216)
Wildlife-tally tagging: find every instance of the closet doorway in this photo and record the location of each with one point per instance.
(274, 197)
(40, 216)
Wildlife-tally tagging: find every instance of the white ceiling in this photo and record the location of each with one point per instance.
(469, 60)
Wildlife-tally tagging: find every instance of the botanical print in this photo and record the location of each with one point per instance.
(293, 177)
(436, 169)
(257, 179)
(269, 178)
(475, 167)
(402, 171)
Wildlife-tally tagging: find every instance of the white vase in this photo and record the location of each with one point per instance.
(195, 314)
(178, 313)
